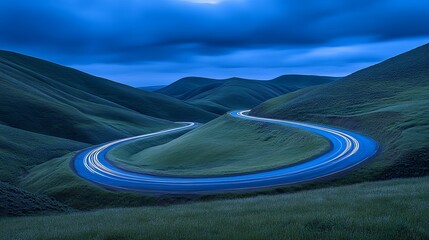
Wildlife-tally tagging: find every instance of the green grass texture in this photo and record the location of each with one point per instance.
(394, 209)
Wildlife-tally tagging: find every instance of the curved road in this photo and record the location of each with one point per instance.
(348, 150)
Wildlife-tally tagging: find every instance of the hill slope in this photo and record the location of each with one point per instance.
(220, 96)
(388, 101)
(20, 149)
(47, 110)
(31, 71)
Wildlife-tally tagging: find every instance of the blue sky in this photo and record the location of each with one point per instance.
(143, 43)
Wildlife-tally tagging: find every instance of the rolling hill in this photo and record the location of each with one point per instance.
(47, 110)
(32, 71)
(220, 96)
(388, 101)
(226, 145)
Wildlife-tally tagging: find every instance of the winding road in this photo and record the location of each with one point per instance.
(348, 149)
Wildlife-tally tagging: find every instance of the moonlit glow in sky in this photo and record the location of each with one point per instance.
(204, 1)
(144, 43)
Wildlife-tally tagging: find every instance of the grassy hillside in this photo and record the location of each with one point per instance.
(58, 83)
(47, 110)
(220, 96)
(17, 202)
(395, 209)
(226, 145)
(388, 101)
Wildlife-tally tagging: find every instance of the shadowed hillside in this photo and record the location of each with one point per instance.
(388, 101)
(220, 96)
(17, 202)
(46, 76)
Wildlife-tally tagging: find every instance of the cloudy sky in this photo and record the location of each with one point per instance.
(144, 42)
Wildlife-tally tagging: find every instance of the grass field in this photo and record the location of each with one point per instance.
(388, 101)
(226, 145)
(395, 209)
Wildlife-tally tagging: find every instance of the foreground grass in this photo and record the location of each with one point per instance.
(18, 202)
(395, 209)
(226, 145)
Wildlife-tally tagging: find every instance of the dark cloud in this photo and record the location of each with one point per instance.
(129, 32)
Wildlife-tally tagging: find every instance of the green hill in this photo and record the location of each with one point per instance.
(47, 110)
(388, 101)
(30, 71)
(226, 145)
(220, 96)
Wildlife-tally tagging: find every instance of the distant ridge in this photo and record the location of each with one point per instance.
(220, 96)
(152, 88)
